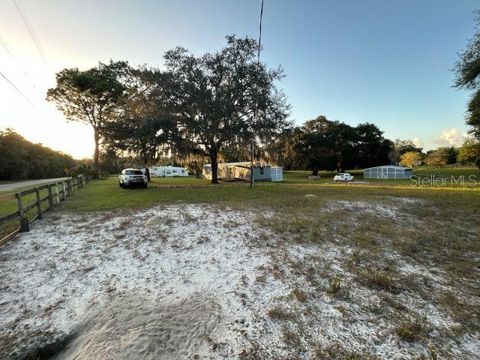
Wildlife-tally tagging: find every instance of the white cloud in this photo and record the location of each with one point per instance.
(450, 137)
(417, 142)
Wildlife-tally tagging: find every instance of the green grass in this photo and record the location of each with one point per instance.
(9, 206)
(106, 195)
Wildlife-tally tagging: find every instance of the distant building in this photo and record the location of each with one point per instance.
(168, 171)
(241, 171)
(387, 172)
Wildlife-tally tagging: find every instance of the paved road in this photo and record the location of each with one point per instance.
(27, 183)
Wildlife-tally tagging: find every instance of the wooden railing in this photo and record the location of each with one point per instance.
(56, 192)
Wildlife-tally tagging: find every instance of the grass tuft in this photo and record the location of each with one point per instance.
(413, 331)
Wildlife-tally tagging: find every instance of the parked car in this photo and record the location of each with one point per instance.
(132, 177)
(343, 177)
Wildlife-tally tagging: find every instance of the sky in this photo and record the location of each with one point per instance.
(383, 62)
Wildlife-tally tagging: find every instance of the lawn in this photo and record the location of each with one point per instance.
(106, 195)
(299, 269)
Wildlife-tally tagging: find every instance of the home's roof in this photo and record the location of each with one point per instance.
(168, 166)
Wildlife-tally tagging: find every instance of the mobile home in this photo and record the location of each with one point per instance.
(241, 171)
(168, 171)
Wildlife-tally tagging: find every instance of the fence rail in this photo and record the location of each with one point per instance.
(57, 191)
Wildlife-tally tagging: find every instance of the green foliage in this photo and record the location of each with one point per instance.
(223, 98)
(322, 144)
(473, 115)
(21, 159)
(282, 150)
(467, 68)
(451, 154)
(470, 152)
(144, 128)
(371, 147)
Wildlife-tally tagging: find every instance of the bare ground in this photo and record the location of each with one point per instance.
(207, 282)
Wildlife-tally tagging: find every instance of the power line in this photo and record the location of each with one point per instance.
(7, 49)
(19, 91)
(31, 31)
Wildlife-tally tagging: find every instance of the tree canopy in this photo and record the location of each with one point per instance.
(470, 152)
(91, 96)
(323, 144)
(224, 98)
(467, 68)
(467, 71)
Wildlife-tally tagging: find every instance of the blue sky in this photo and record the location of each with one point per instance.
(386, 62)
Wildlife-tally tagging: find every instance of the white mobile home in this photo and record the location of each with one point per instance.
(241, 171)
(168, 171)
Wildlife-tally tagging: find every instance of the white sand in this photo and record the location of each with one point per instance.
(186, 281)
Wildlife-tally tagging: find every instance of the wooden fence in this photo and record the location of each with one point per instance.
(56, 192)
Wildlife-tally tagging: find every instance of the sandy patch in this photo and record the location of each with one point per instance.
(197, 281)
(144, 329)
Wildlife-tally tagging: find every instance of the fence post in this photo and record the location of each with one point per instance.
(23, 220)
(39, 204)
(69, 186)
(50, 197)
(63, 190)
(57, 194)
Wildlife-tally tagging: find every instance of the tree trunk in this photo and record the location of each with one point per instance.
(96, 153)
(339, 163)
(213, 159)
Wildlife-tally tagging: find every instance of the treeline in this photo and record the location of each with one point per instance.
(22, 159)
(467, 154)
(323, 144)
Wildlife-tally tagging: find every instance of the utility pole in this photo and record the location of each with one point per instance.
(252, 176)
(252, 166)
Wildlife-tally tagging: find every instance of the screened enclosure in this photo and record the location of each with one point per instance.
(387, 172)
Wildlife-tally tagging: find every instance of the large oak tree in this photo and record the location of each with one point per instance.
(223, 98)
(326, 145)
